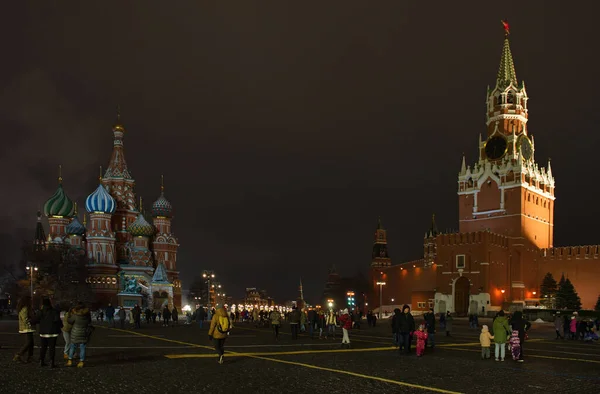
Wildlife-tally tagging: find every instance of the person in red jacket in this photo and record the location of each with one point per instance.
(346, 323)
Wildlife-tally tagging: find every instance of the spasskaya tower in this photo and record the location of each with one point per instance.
(506, 191)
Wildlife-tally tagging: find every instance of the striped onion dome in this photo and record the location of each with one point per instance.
(75, 227)
(59, 204)
(162, 207)
(140, 227)
(100, 201)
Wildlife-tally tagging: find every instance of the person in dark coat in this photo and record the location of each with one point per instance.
(405, 326)
(566, 326)
(394, 322)
(175, 316)
(136, 312)
(166, 316)
(122, 316)
(80, 319)
(200, 316)
(521, 325)
(50, 325)
(430, 325)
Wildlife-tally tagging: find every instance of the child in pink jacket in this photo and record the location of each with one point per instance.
(421, 336)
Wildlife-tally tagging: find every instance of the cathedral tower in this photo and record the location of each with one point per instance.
(59, 209)
(380, 257)
(120, 184)
(506, 191)
(165, 244)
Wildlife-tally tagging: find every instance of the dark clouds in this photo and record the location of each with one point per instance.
(284, 130)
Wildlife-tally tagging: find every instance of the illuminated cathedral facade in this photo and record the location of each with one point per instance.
(132, 258)
(505, 243)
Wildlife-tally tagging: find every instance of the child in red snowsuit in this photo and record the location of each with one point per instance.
(421, 335)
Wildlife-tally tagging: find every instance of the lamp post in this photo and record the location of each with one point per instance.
(31, 267)
(208, 275)
(380, 284)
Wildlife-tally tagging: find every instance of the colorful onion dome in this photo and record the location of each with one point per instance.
(162, 207)
(59, 204)
(100, 201)
(75, 227)
(140, 227)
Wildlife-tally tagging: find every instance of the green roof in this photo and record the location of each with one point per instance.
(506, 72)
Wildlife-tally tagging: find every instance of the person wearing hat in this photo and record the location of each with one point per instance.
(346, 323)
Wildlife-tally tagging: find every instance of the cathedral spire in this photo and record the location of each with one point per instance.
(506, 71)
(433, 231)
(117, 167)
(379, 227)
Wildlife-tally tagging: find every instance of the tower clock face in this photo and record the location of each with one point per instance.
(525, 147)
(495, 147)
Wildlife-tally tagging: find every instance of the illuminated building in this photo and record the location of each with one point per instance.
(505, 242)
(130, 260)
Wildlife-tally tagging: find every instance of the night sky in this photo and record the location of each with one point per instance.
(284, 130)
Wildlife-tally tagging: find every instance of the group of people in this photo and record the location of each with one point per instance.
(576, 328)
(506, 331)
(135, 315)
(75, 327)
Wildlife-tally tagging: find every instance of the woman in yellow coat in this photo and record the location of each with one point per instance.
(220, 325)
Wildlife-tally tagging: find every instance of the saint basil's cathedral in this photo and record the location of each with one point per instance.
(505, 243)
(130, 260)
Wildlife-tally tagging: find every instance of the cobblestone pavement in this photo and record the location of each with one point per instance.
(181, 359)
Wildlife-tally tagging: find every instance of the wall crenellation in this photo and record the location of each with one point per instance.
(570, 252)
(474, 237)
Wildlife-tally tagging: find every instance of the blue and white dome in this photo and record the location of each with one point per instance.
(75, 227)
(100, 201)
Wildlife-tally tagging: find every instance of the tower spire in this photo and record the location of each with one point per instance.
(463, 166)
(506, 71)
(379, 227)
(60, 179)
(162, 183)
(433, 231)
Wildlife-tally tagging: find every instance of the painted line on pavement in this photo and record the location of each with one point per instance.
(539, 356)
(288, 353)
(396, 382)
(359, 375)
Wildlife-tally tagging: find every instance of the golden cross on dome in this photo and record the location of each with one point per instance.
(162, 183)
(60, 174)
(100, 175)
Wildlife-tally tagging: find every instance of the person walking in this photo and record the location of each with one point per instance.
(50, 325)
(136, 312)
(220, 326)
(449, 322)
(346, 323)
(166, 316)
(81, 319)
(294, 322)
(200, 316)
(501, 332)
(175, 316)
(331, 322)
(520, 325)
(485, 340)
(421, 335)
(558, 323)
(406, 328)
(394, 324)
(275, 318)
(122, 316)
(25, 330)
(110, 314)
(430, 326)
(66, 331)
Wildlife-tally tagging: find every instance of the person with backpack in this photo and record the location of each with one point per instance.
(219, 331)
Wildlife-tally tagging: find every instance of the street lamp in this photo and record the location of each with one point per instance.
(380, 284)
(31, 268)
(208, 275)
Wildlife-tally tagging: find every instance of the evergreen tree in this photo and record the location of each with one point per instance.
(559, 301)
(548, 290)
(597, 308)
(567, 297)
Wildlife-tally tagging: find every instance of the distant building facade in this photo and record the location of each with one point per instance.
(505, 242)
